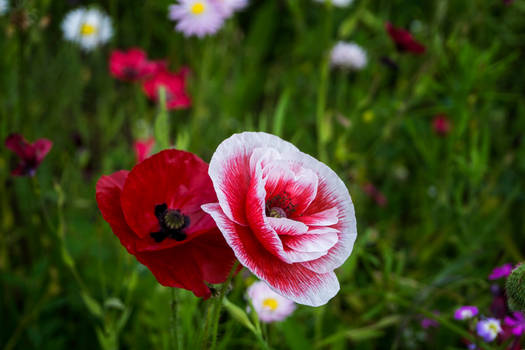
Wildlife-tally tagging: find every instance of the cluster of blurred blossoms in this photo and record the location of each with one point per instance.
(504, 322)
(133, 66)
(203, 17)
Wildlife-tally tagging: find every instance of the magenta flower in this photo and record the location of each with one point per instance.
(31, 154)
(516, 322)
(441, 125)
(465, 312)
(501, 271)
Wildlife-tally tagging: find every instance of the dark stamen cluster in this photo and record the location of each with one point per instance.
(172, 223)
(280, 205)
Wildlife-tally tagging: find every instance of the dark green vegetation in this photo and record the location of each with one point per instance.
(455, 203)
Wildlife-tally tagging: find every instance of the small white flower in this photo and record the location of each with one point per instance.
(338, 3)
(4, 6)
(270, 306)
(348, 55)
(87, 27)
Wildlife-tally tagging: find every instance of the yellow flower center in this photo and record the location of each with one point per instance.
(197, 8)
(87, 29)
(494, 328)
(270, 303)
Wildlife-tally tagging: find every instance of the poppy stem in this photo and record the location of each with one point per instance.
(217, 306)
(176, 329)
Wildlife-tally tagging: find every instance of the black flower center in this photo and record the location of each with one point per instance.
(280, 206)
(172, 224)
(130, 73)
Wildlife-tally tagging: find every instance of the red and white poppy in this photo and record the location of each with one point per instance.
(288, 217)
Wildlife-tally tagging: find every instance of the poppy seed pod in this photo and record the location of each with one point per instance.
(515, 287)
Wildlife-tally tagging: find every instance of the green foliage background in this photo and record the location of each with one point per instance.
(455, 204)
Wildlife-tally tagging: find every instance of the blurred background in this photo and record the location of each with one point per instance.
(429, 144)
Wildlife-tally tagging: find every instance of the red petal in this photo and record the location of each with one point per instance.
(109, 189)
(17, 144)
(176, 178)
(293, 281)
(42, 148)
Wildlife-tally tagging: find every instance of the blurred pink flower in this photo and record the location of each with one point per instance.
(270, 306)
(143, 149)
(516, 322)
(404, 40)
(441, 125)
(31, 154)
(500, 272)
(465, 312)
(133, 65)
(197, 17)
(375, 194)
(175, 85)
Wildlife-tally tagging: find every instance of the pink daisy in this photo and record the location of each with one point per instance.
(197, 17)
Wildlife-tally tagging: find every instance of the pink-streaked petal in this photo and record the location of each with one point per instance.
(284, 226)
(300, 184)
(311, 243)
(230, 169)
(323, 218)
(331, 193)
(292, 281)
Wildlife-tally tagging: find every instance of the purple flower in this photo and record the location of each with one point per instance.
(488, 329)
(516, 322)
(428, 322)
(500, 272)
(465, 312)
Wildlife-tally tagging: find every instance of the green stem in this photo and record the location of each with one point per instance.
(218, 306)
(176, 329)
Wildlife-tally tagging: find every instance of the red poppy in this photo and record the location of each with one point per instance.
(175, 85)
(31, 154)
(133, 65)
(155, 211)
(441, 125)
(143, 148)
(288, 217)
(404, 41)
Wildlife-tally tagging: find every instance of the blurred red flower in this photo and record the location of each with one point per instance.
(441, 125)
(375, 194)
(143, 148)
(31, 154)
(133, 65)
(404, 41)
(175, 85)
(155, 211)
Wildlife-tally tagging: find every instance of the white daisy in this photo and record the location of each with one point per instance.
(338, 3)
(348, 55)
(87, 27)
(4, 6)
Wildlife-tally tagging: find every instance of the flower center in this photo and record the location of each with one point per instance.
(466, 314)
(493, 328)
(172, 223)
(280, 206)
(88, 29)
(197, 8)
(271, 303)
